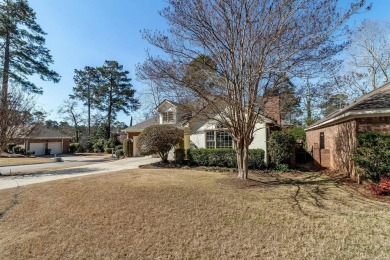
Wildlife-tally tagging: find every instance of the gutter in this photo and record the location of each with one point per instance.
(352, 114)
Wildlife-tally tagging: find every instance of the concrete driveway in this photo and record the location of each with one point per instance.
(68, 161)
(95, 168)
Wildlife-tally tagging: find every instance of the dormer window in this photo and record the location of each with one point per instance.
(168, 117)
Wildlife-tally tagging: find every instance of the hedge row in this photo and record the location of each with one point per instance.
(223, 157)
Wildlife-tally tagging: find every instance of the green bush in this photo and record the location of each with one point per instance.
(118, 147)
(180, 155)
(281, 146)
(10, 147)
(99, 145)
(372, 154)
(281, 167)
(225, 158)
(74, 147)
(126, 147)
(159, 139)
(109, 150)
(119, 154)
(16, 149)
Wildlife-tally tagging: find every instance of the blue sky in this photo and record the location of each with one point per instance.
(88, 32)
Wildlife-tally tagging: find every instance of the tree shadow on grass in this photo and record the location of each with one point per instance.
(312, 188)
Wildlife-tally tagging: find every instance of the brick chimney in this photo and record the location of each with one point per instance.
(272, 108)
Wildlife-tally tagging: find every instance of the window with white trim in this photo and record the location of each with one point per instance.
(167, 117)
(218, 139)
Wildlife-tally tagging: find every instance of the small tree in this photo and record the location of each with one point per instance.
(159, 139)
(281, 146)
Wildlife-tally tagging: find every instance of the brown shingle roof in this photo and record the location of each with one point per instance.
(376, 99)
(45, 133)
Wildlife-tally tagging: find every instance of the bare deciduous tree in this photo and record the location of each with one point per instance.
(369, 56)
(22, 117)
(71, 113)
(247, 40)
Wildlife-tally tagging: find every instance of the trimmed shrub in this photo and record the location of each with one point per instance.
(109, 150)
(126, 147)
(180, 155)
(73, 147)
(30, 153)
(225, 158)
(372, 154)
(118, 147)
(381, 188)
(22, 151)
(256, 159)
(281, 146)
(159, 139)
(10, 147)
(16, 149)
(119, 154)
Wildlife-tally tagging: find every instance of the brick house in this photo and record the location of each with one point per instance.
(42, 139)
(332, 139)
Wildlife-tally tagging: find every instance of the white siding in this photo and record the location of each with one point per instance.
(198, 138)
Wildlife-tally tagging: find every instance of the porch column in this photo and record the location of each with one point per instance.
(186, 138)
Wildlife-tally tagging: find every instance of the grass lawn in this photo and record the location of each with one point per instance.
(185, 214)
(23, 161)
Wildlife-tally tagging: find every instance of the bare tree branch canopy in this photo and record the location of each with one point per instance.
(71, 113)
(369, 51)
(23, 118)
(247, 40)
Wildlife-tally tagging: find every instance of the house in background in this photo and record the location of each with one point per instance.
(332, 139)
(206, 133)
(43, 140)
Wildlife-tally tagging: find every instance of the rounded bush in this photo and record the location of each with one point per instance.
(281, 146)
(119, 154)
(159, 139)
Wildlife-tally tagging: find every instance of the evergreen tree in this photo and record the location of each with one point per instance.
(85, 80)
(22, 53)
(114, 92)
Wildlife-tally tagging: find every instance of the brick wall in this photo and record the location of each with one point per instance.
(272, 108)
(380, 124)
(339, 141)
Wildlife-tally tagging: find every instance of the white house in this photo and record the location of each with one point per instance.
(201, 133)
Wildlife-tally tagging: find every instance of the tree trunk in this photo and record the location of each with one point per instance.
(242, 159)
(108, 129)
(4, 95)
(89, 109)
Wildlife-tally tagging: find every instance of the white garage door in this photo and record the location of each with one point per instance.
(56, 147)
(38, 148)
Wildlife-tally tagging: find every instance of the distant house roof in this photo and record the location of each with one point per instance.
(374, 103)
(45, 133)
(141, 126)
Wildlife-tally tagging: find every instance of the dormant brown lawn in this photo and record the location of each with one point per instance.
(23, 161)
(185, 214)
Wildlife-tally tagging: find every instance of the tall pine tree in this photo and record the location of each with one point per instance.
(114, 92)
(23, 54)
(86, 80)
